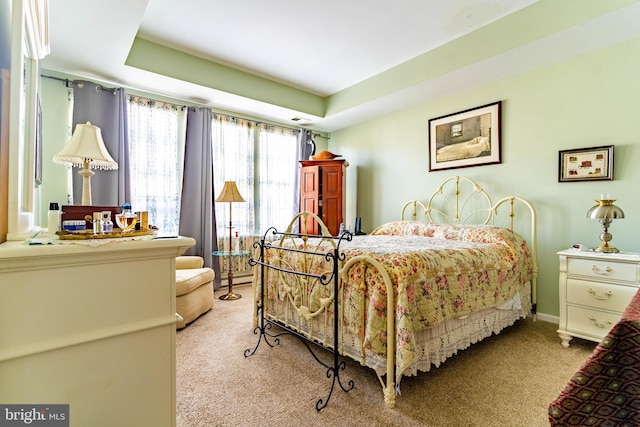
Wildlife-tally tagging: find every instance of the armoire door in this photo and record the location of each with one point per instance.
(310, 197)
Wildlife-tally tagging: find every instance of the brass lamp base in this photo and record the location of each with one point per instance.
(605, 211)
(230, 296)
(605, 248)
(605, 238)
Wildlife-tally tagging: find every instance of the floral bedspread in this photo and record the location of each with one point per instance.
(439, 272)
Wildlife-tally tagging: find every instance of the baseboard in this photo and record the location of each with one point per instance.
(548, 318)
(241, 280)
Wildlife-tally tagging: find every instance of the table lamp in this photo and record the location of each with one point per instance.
(86, 148)
(605, 211)
(230, 194)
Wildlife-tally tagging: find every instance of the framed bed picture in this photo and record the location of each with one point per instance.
(464, 139)
(586, 164)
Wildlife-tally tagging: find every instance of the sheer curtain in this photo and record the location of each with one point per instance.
(277, 173)
(233, 160)
(156, 135)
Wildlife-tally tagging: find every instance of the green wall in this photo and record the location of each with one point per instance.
(56, 132)
(583, 102)
(587, 101)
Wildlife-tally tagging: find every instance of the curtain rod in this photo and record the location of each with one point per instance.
(140, 99)
(69, 83)
(290, 128)
(256, 122)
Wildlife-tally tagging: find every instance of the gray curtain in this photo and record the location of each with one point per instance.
(107, 109)
(303, 151)
(197, 215)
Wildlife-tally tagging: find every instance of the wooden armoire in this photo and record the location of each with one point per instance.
(322, 191)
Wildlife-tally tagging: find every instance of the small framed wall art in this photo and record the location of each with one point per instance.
(464, 139)
(586, 164)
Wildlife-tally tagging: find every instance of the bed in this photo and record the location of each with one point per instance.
(605, 390)
(464, 150)
(447, 271)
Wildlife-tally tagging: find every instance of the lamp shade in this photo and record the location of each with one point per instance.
(605, 209)
(230, 193)
(86, 145)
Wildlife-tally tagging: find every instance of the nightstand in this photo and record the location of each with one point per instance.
(595, 288)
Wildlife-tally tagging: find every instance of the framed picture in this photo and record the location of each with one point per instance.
(586, 164)
(467, 138)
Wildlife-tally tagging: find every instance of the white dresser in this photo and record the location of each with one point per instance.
(595, 288)
(91, 327)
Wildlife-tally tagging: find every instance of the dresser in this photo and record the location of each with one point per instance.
(322, 192)
(595, 289)
(92, 327)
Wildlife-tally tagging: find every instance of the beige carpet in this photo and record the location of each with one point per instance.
(506, 380)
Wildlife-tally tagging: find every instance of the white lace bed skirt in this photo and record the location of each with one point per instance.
(435, 344)
(440, 342)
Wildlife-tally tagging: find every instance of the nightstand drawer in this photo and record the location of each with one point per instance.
(598, 295)
(595, 289)
(603, 269)
(593, 323)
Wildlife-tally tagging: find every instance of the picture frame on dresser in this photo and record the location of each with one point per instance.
(586, 164)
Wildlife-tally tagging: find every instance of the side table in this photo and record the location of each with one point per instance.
(229, 255)
(595, 288)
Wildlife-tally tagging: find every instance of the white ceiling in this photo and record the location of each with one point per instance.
(321, 47)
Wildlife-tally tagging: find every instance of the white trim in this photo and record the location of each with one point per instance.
(548, 318)
(83, 338)
(37, 28)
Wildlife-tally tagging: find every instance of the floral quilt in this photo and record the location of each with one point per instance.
(439, 272)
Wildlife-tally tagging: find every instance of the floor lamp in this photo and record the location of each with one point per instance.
(230, 194)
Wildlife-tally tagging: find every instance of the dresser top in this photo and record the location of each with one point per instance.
(621, 256)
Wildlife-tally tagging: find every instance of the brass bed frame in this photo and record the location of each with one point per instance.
(458, 200)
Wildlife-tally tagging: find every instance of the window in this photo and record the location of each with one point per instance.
(156, 147)
(262, 161)
(233, 160)
(276, 174)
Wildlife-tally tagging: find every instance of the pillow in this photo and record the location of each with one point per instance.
(466, 232)
(405, 228)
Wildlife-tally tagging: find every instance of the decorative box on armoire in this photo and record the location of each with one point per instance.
(322, 191)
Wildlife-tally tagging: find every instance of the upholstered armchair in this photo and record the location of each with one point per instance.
(194, 289)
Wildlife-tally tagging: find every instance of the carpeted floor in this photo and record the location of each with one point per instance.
(506, 380)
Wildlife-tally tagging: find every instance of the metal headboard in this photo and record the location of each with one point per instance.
(458, 200)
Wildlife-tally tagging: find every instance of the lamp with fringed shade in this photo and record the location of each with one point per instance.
(86, 149)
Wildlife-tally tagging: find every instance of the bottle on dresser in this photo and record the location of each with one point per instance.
(53, 218)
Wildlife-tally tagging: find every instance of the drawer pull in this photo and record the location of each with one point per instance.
(600, 325)
(606, 296)
(597, 270)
